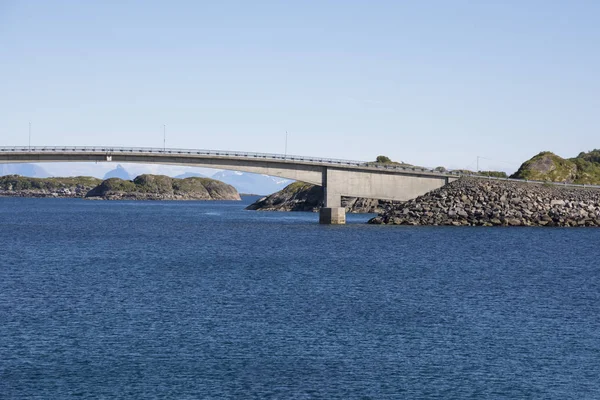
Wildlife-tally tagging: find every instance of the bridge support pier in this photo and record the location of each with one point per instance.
(332, 212)
(332, 216)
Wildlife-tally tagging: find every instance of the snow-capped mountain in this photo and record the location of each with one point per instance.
(29, 170)
(248, 183)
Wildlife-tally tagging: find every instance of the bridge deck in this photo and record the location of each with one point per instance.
(35, 154)
(34, 151)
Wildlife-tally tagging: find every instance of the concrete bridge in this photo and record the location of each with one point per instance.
(337, 177)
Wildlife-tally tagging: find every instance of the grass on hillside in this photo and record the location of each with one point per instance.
(547, 166)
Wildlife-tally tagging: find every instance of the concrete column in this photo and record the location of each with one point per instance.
(331, 197)
(332, 211)
(332, 216)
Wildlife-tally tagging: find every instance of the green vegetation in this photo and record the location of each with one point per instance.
(161, 186)
(153, 184)
(296, 187)
(464, 171)
(215, 189)
(383, 159)
(547, 166)
(387, 161)
(588, 167)
(117, 185)
(192, 183)
(593, 156)
(494, 174)
(158, 184)
(17, 182)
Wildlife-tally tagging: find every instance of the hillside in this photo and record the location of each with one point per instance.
(20, 186)
(161, 187)
(386, 161)
(300, 196)
(547, 166)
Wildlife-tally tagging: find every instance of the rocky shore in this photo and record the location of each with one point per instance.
(160, 187)
(300, 196)
(20, 186)
(481, 202)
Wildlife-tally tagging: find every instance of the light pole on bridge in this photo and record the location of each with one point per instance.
(29, 136)
(164, 137)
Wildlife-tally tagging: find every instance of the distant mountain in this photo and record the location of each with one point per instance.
(118, 172)
(29, 170)
(248, 183)
(190, 175)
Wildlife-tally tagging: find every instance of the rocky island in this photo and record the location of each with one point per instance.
(161, 187)
(300, 196)
(20, 186)
(144, 187)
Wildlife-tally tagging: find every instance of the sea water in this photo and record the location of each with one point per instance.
(194, 300)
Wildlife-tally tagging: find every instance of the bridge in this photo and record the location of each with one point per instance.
(337, 177)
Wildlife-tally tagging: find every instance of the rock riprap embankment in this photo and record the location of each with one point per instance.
(300, 196)
(21, 186)
(481, 202)
(160, 187)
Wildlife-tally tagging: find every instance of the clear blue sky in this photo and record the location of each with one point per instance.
(427, 82)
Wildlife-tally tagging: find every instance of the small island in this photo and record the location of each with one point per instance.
(144, 187)
(161, 187)
(21, 186)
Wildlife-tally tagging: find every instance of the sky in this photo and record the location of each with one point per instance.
(430, 82)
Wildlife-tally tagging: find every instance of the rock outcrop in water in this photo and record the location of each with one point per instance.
(20, 186)
(481, 202)
(300, 196)
(160, 187)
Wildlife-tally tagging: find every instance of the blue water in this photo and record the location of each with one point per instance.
(204, 300)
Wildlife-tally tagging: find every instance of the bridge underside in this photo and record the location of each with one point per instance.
(304, 173)
(337, 181)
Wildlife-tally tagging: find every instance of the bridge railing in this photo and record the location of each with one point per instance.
(219, 153)
(108, 150)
